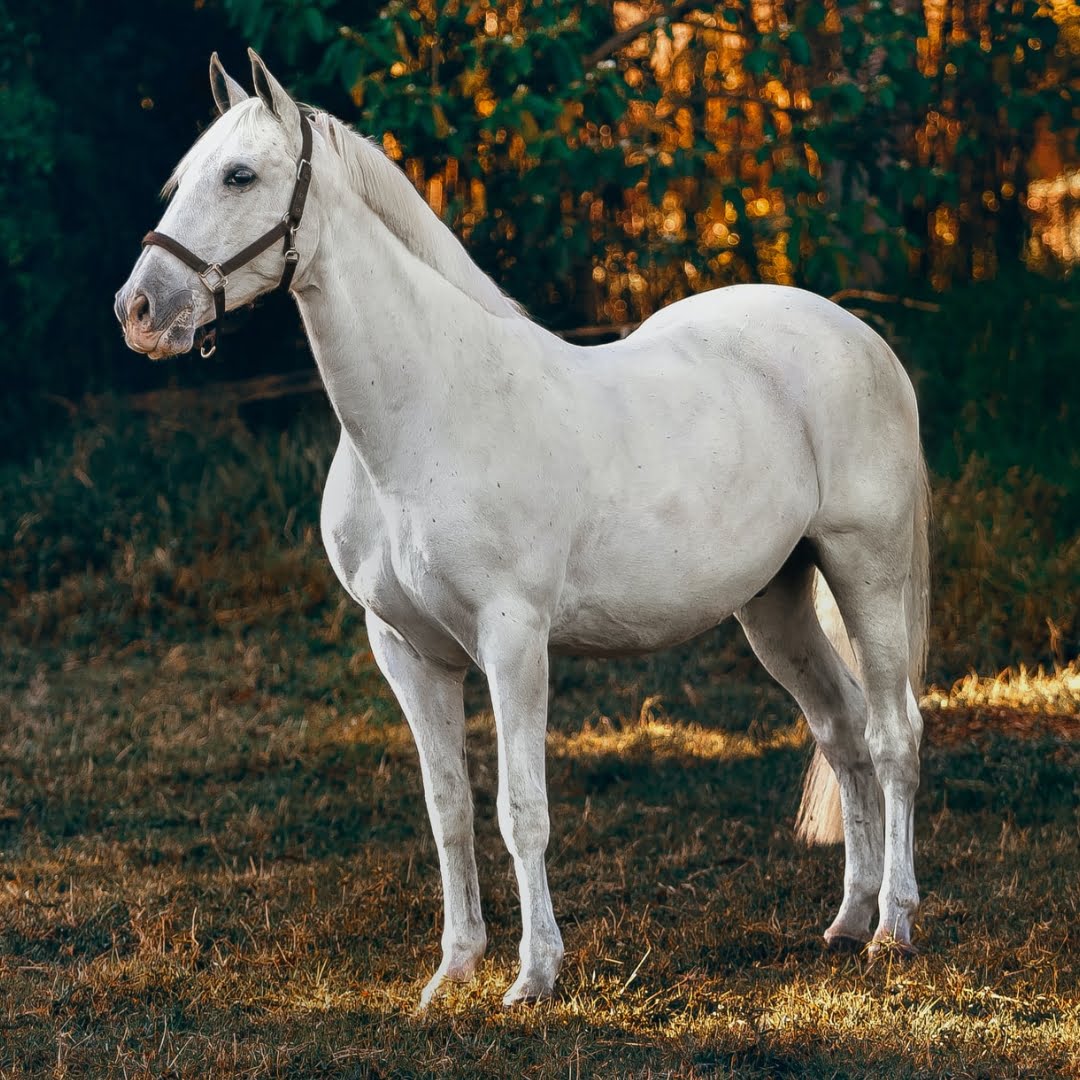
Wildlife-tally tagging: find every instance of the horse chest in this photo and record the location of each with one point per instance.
(360, 548)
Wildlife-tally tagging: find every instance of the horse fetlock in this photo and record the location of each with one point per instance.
(462, 956)
(460, 962)
(899, 905)
(536, 980)
(897, 919)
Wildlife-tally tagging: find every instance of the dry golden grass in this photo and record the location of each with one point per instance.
(1054, 693)
(1016, 701)
(216, 859)
(216, 863)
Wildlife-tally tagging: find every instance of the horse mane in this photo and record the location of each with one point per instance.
(401, 208)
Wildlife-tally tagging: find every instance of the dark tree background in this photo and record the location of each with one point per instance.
(95, 112)
(600, 160)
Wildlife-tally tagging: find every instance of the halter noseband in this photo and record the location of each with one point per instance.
(215, 276)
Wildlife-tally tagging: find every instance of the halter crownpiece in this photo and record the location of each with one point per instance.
(215, 276)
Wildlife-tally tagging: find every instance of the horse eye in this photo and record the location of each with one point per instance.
(240, 177)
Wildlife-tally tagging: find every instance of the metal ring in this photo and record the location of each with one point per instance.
(220, 282)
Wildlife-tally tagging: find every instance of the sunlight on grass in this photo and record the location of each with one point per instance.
(977, 1022)
(656, 737)
(315, 989)
(1052, 693)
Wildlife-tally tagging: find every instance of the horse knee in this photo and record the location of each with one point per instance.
(524, 825)
(452, 822)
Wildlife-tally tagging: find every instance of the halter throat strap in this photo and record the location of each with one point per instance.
(215, 276)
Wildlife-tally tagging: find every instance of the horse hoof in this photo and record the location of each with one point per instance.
(886, 947)
(844, 944)
(447, 977)
(437, 988)
(526, 992)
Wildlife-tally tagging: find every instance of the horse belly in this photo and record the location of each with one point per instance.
(701, 495)
(648, 590)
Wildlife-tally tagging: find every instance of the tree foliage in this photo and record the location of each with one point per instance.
(602, 160)
(94, 111)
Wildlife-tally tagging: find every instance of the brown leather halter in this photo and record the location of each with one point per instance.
(215, 276)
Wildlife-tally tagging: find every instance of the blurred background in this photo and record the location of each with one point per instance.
(916, 161)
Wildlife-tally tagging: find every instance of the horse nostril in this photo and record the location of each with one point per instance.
(139, 311)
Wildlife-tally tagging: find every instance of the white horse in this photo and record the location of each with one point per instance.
(498, 493)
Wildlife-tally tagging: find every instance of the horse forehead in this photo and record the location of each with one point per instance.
(247, 133)
(236, 140)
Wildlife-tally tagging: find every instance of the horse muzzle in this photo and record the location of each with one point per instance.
(153, 327)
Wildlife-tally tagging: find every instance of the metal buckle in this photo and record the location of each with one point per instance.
(292, 255)
(214, 278)
(209, 345)
(300, 165)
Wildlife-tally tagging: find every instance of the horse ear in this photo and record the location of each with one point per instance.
(273, 95)
(226, 90)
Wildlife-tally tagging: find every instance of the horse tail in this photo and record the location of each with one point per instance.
(819, 820)
(917, 594)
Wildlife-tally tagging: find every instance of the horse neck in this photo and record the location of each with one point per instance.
(406, 356)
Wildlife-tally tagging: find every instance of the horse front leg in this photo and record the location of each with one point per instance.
(514, 656)
(431, 698)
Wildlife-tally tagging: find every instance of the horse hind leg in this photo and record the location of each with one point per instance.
(785, 633)
(867, 572)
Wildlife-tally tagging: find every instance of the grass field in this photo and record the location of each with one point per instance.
(216, 858)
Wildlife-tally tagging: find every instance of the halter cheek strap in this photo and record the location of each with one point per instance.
(215, 276)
